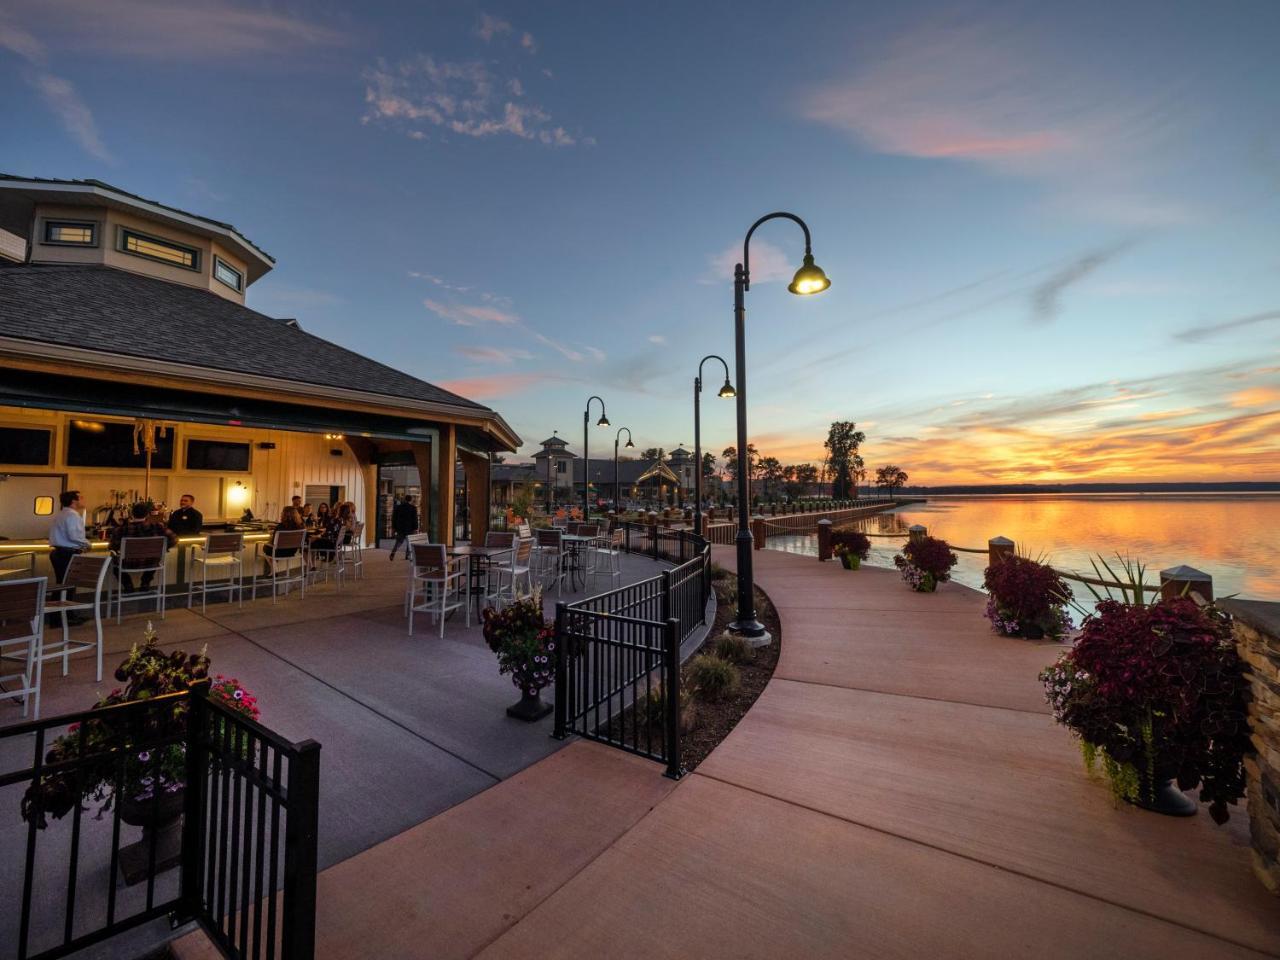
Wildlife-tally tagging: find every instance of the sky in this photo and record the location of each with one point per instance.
(1052, 230)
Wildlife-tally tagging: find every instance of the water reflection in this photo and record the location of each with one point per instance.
(1230, 537)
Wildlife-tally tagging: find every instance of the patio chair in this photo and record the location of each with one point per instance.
(505, 540)
(350, 553)
(439, 579)
(560, 522)
(510, 573)
(21, 635)
(524, 532)
(606, 554)
(549, 551)
(88, 573)
(140, 556)
(18, 566)
(221, 551)
(286, 563)
(411, 540)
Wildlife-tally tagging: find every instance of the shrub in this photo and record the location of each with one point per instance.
(711, 678)
(1157, 692)
(925, 563)
(1026, 594)
(720, 573)
(733, 648)
(853, 541)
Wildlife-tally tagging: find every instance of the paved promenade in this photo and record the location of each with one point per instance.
(899, 790)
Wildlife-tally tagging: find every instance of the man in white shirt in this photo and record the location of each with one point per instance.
(67, 536)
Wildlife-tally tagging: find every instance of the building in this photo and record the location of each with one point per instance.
(131, 368)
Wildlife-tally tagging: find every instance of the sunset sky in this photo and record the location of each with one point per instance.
(1053, 230)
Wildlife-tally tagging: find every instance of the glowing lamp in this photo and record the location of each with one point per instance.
(809, 279)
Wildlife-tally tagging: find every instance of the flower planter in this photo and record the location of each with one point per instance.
(1164, 797)
(850, 561)
(1032, 631)
(163, 821)
(530, 708)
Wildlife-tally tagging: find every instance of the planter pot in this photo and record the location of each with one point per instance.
(1033, 631)
(929, 584)
(135, 858)
(1163, 796)
(531, 707)
(850, 562)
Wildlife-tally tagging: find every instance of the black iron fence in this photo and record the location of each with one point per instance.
(618, 653)
(227, 812)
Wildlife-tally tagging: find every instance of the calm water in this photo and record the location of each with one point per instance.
(1236, 539)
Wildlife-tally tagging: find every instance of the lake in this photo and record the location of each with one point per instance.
(1232, 537)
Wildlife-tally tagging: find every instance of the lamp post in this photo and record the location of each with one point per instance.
(809, 279)
(726, 392)
(617, 487)
(586, 458)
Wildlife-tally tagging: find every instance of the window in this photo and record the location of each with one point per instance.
(560, 466)
(42, 507)
(226, 273)
(217, 455)
(71, 233)
(163, 251)
(30, 448)
(98, 443)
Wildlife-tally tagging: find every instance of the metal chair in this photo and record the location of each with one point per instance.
(22, 626)
(349, 552)
(140, 556)
(503, 540)
(440, 580)
(549, 550)
(286, 554)
(509, 573)
(9, 565)
(86, 572)
(221, 551)
(606, 555)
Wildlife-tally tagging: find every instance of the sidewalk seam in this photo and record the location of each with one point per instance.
(913, 696)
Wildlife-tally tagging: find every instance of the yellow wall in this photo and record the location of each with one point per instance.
(106, 252)
(275, 475)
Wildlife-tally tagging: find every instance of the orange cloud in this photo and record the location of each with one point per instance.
(1255, 397)
(486, 388)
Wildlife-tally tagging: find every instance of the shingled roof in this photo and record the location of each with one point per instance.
(116, 312)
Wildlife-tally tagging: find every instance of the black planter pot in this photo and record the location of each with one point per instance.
(531, 707)
(161, 824)
(1163, 795)
(1033, 631)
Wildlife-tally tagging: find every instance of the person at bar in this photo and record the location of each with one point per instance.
(308, 516)
(296, 503)
(186, 521)
(139, 524)
(290, 519)
(67, 538)
(323, 515)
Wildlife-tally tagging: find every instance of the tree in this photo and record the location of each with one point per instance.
(708, 466)
(653, 453)
(843, 440)
(806, 478)
(891, 478)
(730, 455)
(771, 471)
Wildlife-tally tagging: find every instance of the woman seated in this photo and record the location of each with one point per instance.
(290, 519)
(336, 529)
(308, 516)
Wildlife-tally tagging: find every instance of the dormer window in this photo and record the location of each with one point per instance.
(162, 251)
(71, 233)
(224, 272)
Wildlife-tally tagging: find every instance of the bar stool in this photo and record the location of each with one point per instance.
(140, 556)
(440, 580)
(85, 572)
(285, 554)
(22, 626)
(221, 551)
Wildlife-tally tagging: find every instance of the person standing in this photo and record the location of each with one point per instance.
(186, 520)
(66, 535)
(404, 521)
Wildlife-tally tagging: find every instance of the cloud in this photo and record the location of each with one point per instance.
(1256, 397)
(1046, 300)
(485, 388)
(467, 98)
(505, 356)
(470, 316)
(1200, 334)
(768, 264)
(491, 27)
(57, 92)
(658, 339)
(527, 41)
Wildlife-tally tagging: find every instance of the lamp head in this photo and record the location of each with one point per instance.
(809, 279)
(603, 421)
(629, 443)
(727, 392)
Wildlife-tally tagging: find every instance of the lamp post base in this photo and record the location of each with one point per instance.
(752, 631)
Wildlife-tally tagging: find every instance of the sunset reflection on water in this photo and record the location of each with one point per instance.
(1232, 538)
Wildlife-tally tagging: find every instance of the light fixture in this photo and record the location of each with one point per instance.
(334, 436)
(238, 495)
(809, 279)
(727, 392)
(629, 443)
(603, 421)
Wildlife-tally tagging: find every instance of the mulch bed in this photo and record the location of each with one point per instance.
(712, 722)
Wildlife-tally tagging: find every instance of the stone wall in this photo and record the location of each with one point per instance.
(1257, 632)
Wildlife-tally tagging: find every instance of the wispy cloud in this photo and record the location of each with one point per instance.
(657, 338)
(468, 98)
(503, 385)
(768, 264)
(1208, 332)
(1046, 301)
(491, 26)
(500, 355)
(58, 93)
(465, 315)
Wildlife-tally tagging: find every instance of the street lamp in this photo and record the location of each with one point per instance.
(586, 459)
(726, 392)
(809, 279)
(617, 487)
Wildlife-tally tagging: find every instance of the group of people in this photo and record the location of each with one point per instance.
(327, 525)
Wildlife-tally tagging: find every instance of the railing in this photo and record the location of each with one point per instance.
(621, 649)
(180, 758)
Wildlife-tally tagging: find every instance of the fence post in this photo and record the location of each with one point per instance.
(824, 540)
(626, 525)
(680, 536)
(298, 933)
(671, 687)
(193, 800)
(757, 531)
(917, 532)
(1184, 581)
(666, 596)
(562, 673)
(997, 549)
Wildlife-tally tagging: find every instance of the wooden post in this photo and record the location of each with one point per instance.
(1184, 581)
(917, 532)
(757, 531)
(824, 540)
(997, 549)
(448, 465)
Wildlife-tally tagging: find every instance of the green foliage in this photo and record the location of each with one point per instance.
(733, 649)
(720, 573)
(522, 502)
(711, 678)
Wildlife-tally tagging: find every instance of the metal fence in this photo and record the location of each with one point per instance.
(621, 650)
(227, 803)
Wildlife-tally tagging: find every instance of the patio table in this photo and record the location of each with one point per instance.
(477, 559)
